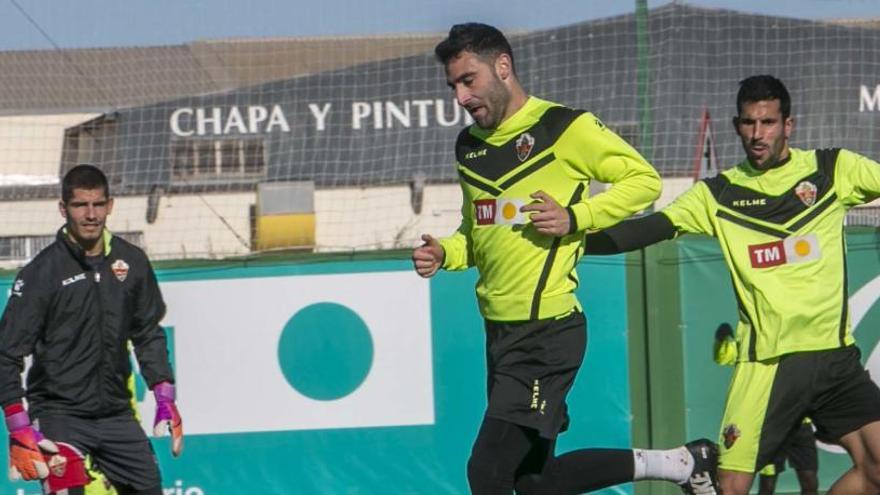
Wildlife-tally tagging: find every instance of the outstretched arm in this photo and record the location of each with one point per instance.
(597, 153)
(630, 235)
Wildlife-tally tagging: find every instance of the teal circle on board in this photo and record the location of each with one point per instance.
(325, 351)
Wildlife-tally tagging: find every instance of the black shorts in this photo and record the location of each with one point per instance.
(531, 366)
(830, 387)
(800, 451)
(118, 446)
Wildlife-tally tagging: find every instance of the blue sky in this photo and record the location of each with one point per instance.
(95, 23)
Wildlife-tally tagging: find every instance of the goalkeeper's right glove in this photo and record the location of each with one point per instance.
(26, 446)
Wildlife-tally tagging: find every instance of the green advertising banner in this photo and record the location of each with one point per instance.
(352, 377)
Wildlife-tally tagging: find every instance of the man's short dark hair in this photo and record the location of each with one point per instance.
(762, 88)
(481, 39)
(83, 176)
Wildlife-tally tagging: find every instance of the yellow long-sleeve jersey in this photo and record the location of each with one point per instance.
(526, 275)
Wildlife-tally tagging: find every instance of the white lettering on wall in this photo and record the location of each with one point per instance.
(276, 118)
(395, 113)
(235, 120)
(175, 122)
(388, 114)
(218, 121)
(320, 115)
(378, 115)
(203, 120)
(869, 102)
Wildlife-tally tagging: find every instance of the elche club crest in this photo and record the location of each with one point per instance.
(120, 269)
(524, 144)
(806, 191)
(17, 287)
(731, 433)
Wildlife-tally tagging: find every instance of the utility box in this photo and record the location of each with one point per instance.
(285, 216)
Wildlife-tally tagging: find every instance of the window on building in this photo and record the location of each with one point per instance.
(218, 158)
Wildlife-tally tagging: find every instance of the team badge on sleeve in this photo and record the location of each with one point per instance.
(17, 288)
(806, 191)
(120, 269)
(501, 211)
(524, 144)
(731, 433)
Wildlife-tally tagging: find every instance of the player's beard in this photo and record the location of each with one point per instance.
(497, 100)
(773, 155)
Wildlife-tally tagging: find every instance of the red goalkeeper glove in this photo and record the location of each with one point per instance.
(26, 446)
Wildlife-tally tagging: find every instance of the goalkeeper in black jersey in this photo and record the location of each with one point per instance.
(524, 168)
(778, 216)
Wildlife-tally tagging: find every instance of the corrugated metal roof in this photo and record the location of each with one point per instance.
(41, 81)
(862, 23)
(695, 59)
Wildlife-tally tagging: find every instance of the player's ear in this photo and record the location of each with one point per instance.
(503, 66)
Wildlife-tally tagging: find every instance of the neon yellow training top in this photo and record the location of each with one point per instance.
(781, 233)
(525, 275)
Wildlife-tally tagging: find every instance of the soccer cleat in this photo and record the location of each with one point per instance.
(703, 479)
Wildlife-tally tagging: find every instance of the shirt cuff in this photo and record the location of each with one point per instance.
(448, 248)
(581, 216)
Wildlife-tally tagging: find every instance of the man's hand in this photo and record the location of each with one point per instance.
(27, 446)
(167, 417)
(549, 218)
(428, 257)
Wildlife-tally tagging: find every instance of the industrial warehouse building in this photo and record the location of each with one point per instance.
(350, 141)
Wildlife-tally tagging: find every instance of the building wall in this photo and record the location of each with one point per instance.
(219, 224)
(31, 145)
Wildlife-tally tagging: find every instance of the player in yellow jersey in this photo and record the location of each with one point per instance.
(524, 167)
(778, 216)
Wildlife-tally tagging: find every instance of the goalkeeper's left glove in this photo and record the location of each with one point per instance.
(167, 417)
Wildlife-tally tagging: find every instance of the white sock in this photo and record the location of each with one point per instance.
(670, 465)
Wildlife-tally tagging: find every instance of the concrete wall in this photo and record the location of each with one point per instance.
(30, 146)
(219, 225)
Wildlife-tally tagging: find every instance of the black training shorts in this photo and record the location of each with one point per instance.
(117, 444)
(531, 367)
(800, 450)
